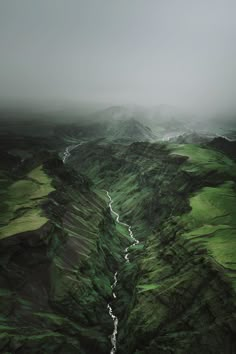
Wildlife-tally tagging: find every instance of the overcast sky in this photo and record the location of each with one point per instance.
(178, 52)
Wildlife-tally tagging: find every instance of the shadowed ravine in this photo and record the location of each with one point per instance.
(67, 152)
(65, 157)
(170, 295)
(115, 318)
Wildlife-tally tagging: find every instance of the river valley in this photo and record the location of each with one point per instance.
(115, 318)
(137, 268)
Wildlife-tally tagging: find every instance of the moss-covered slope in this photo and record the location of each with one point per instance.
(22, 204)
(60, 247)
(58, 251)
(177, 295)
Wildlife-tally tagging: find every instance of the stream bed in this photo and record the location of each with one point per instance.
(126, 257)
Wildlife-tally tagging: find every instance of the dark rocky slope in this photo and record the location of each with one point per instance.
(60, 248)
(178, 293)
(120, 131)
(225, 146)
(55, 279)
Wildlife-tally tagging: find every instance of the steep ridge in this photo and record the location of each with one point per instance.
(55, 276)
(178, 294)
(121, 131)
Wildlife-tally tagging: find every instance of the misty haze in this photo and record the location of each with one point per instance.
(118, 177)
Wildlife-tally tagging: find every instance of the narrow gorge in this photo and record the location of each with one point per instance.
(126, 257)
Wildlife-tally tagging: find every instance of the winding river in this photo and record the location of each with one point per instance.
(67, 152)
(65, 156)
(126, 256)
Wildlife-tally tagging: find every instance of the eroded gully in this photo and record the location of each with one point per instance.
(65, 157)
(113, 286)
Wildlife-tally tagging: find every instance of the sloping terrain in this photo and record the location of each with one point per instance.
(178, 293)
(59, 248)
(119, 131)
(225, 146)
(129, 131)
(21, 210)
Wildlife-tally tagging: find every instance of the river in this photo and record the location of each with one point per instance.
(65, 156)
(126, 257)
(67, 152)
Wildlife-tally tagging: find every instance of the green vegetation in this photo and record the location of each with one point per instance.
(202, 160)
(212, 224)
(30, 221)
(147, 287)
(21, 209)
(177, 294)
(56, 282)
(179, 282)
